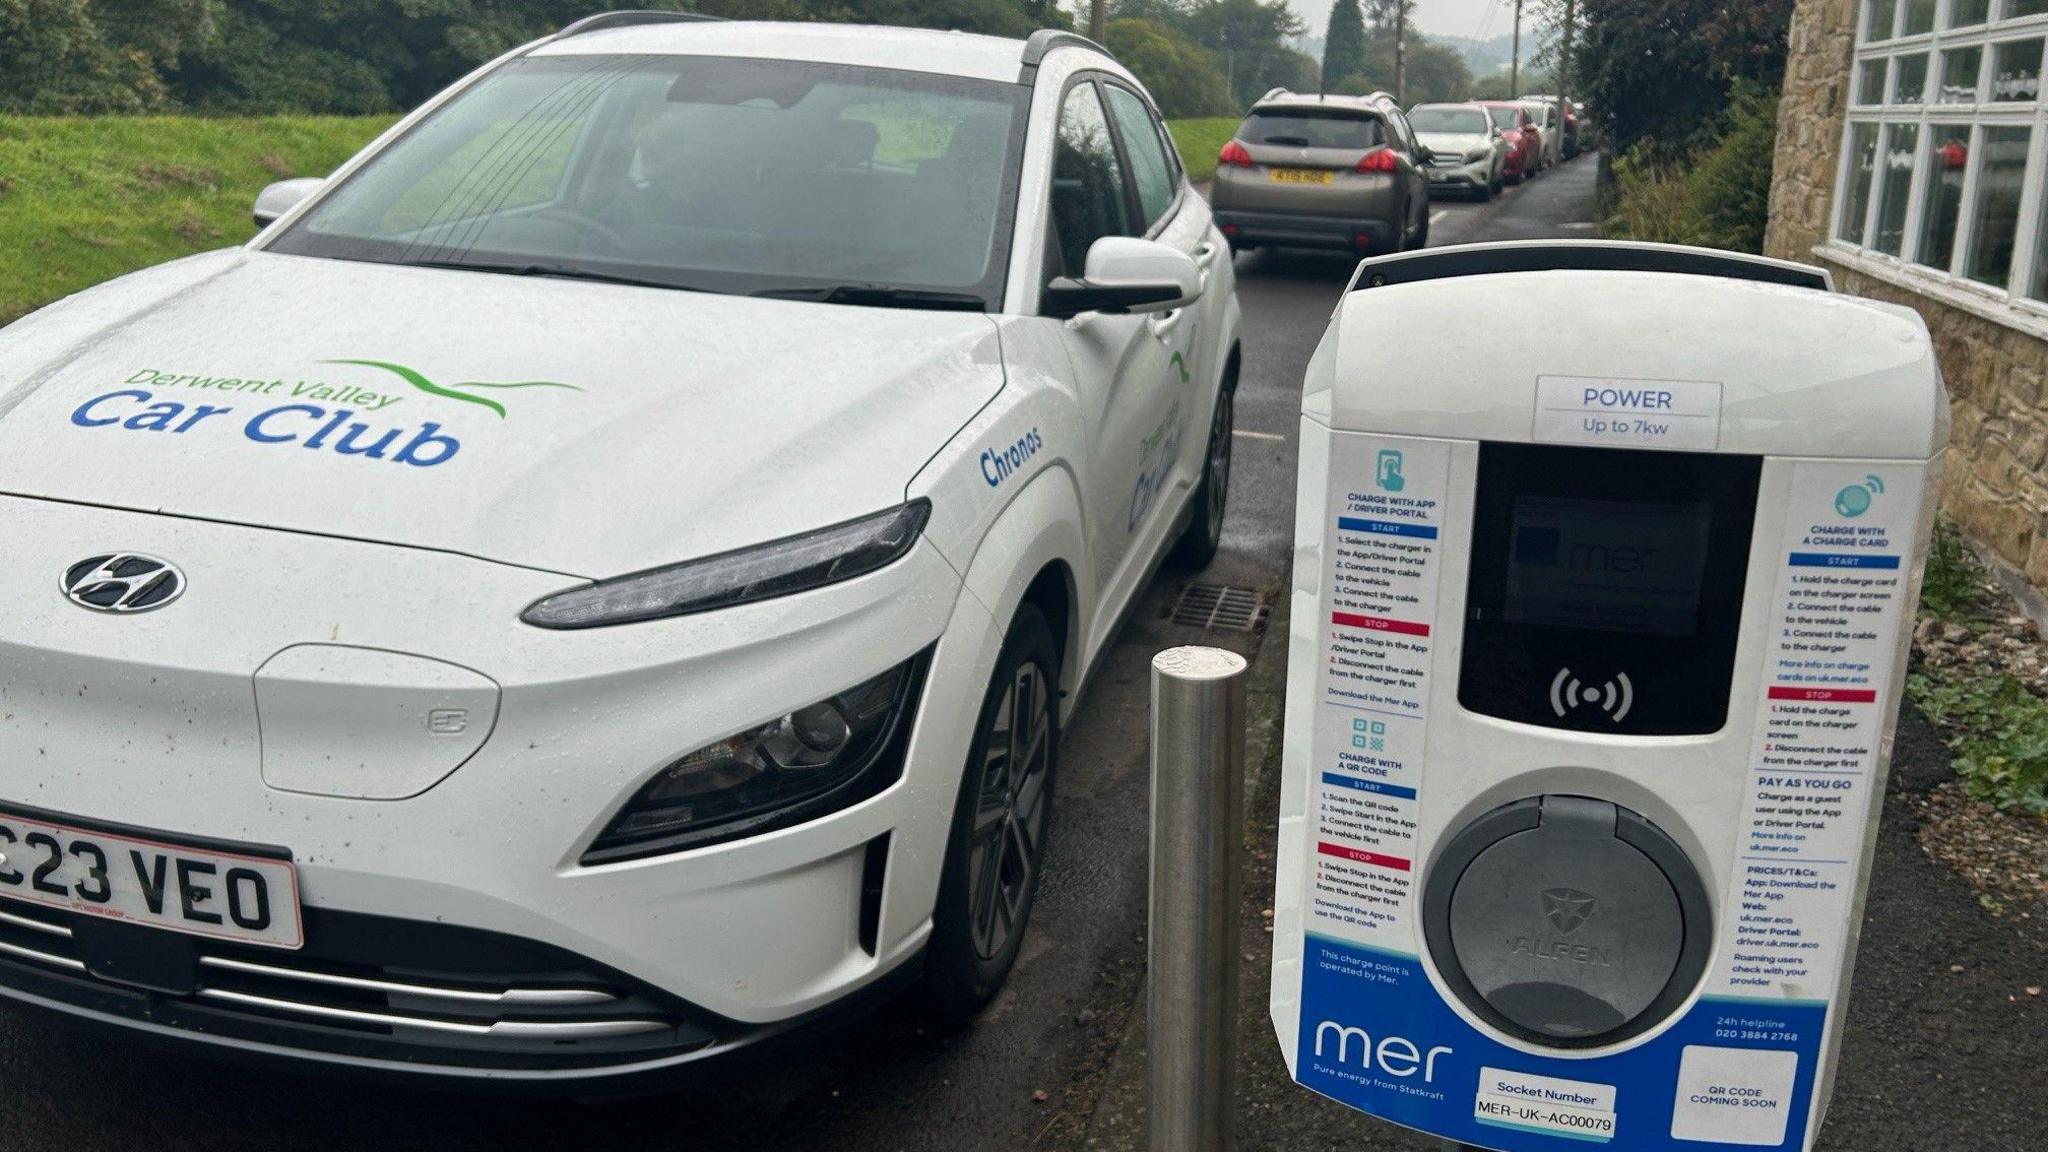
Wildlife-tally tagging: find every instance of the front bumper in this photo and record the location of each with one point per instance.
(1279, 228)
(723, 942)
(1474, 175)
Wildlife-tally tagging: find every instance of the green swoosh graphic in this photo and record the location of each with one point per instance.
(521, 384)
(428, 386)
(1183, 366)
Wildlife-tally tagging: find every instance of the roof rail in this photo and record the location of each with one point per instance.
(629, 19)
(1581, 255)
(1042, 43)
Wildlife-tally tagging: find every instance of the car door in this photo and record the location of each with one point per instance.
(1175, 214)
(1131, 371)
(1415, 170)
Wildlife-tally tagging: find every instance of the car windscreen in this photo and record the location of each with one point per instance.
(1470, 121)
(712, 173)
(1505, 118)
(1313, 128)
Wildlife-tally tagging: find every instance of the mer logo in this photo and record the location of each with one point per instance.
(1394, 1055)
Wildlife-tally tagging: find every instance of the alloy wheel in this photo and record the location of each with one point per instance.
(1009, 817)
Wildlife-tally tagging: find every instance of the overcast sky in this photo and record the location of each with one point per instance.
(1445, 17)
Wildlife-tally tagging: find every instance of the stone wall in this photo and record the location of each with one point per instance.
(1821, 46)
(1996, 482)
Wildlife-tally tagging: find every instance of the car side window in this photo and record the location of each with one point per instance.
(1089, 199)
(1404, 138)
(1150, 172)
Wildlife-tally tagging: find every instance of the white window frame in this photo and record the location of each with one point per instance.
(1930, 116)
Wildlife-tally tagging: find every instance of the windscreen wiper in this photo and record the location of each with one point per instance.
(554, 271)
(881, 296)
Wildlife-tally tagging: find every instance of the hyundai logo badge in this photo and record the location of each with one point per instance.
(123, 582)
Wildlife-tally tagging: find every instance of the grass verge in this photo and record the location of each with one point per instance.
(86, 199)
(1199, 141)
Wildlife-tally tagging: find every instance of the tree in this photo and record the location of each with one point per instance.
(1250, 36)
(1662, 74)
(1344, 43)
(86, 56)
(1182, 76)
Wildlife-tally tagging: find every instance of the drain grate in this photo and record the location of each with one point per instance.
(1217, 606)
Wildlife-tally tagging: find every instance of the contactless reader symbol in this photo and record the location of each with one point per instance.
(1389, 477)
(1854, 500)
(1615, 697)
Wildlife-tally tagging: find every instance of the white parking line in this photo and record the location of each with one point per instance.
(1439, 214)
(1256, 435)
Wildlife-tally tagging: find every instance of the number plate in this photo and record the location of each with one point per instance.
(1298, 176)
(201, 891)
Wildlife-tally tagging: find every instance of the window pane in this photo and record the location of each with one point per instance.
(1870, 81)
(1964, 13)
(2025, 7)
(1919, 18)
(1862, 160)
(1877, 19)
(1909, 79)
(1148, 157)
(1900, 142)
(2016, 68)
(1087, 182)
(2002, 168)
(1959, 75)
(1942, 194)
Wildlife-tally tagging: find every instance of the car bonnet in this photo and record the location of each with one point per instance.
(587, 429)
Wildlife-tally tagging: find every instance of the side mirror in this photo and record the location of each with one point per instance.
(1125, 274)
(282, 197)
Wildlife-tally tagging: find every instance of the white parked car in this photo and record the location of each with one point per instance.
(600, 578)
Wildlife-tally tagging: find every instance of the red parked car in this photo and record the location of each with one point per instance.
(1525, 139)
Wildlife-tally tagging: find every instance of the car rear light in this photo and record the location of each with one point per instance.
(1234, 154)
(1361, 240)
(1378, 160)
(1230, 229)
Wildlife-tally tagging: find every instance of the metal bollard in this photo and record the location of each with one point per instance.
(1197, 873)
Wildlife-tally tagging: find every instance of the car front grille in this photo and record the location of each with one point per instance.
(1455, 159)
(363, 986)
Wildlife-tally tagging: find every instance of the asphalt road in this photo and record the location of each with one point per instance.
(1028, 1074)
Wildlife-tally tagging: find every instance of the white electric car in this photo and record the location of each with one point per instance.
(598, 580)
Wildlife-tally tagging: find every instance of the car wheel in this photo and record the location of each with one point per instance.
(1199, 540)
(997, 848)
(1422, 233)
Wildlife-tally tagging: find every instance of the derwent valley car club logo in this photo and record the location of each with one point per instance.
(313, 414)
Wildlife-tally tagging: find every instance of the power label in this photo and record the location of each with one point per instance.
(1616, 413)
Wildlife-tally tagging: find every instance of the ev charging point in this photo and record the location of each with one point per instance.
(1592, 680)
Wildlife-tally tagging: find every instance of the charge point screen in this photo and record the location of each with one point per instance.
(1607, 565)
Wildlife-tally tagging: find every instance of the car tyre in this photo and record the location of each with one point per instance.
(996, 852)
(1206, 508)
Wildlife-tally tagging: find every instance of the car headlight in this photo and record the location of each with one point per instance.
(796, 767)
(781, 568)
(1479, 154)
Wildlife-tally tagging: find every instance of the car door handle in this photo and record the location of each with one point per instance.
(1205, 254)
(1164, 323)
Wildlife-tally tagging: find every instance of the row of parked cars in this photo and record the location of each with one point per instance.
(1357, 172)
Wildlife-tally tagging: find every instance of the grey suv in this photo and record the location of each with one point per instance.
(1325, 172)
